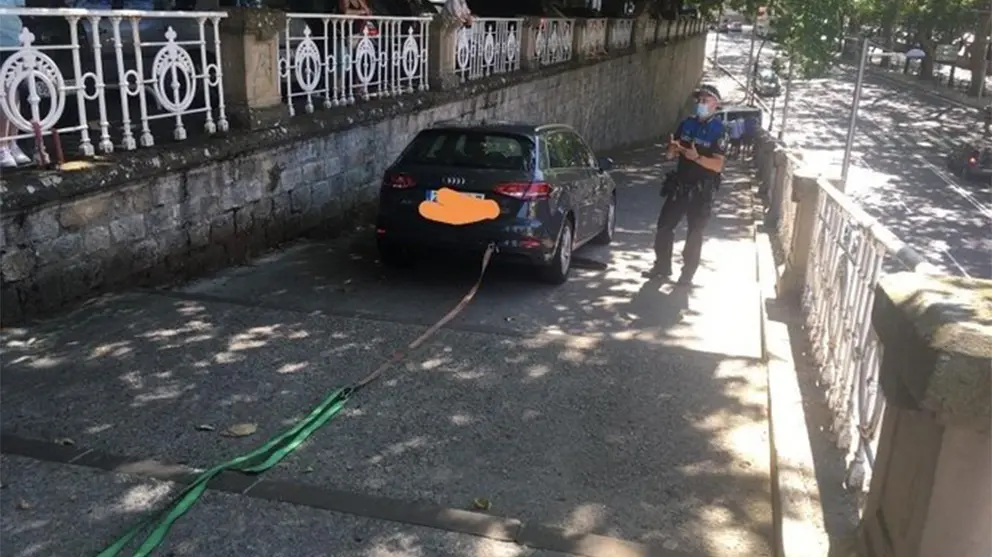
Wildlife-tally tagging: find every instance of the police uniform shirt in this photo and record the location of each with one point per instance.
(709, 137)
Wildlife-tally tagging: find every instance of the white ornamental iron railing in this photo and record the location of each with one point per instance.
(553, 41)
(103, 72)
(490, 46)
(594, 37)
(621, 31)
(847, 252)
(666, 31)
(336, 59)
(650, 30)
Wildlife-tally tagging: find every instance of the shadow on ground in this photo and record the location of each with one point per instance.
(610, 405)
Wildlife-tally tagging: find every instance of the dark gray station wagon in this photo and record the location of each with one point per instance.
(554, 195)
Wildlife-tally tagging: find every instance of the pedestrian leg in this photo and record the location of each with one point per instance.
(671, 214)
(698, 214)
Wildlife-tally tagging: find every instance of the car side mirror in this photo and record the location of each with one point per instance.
(605, 164)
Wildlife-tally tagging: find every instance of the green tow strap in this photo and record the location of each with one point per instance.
(255, 462)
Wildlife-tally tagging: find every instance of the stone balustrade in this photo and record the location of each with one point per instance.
(904, 355)
(931, 491)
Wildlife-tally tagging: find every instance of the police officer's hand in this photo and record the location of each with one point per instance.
(673, 147)
(690, 152)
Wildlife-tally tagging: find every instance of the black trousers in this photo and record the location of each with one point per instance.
(696, 207)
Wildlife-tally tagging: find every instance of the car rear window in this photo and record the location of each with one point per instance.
(471, 149)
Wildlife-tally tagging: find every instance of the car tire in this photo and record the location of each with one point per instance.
(557, 270)
(392, 255)
(606, 235)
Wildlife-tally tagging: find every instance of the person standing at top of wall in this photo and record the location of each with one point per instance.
(458, 9)
(356, 8)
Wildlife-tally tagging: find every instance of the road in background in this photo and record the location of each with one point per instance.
(898, 171)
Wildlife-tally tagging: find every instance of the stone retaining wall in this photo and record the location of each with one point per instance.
(152, 217)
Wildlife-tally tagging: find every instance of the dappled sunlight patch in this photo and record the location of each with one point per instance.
(187, 309)
(161, 393)
(462, 420)
(228, 358)
(725, 534)
(140, 498)
(419, 443)
(132, 380)
(585, 518)
(531, 414)
(396, 545)
(236, 399)
(433, 363)
(538, 371)
(99, 428)
(193, 331)
(41, 362)
(292, 367)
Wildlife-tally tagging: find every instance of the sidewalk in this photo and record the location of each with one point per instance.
(930, 87)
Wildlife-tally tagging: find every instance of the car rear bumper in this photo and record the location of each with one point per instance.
(526, 241)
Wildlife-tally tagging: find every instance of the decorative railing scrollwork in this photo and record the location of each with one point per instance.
(490, 46)
(334, 60)
(100, 73)
(553, 41)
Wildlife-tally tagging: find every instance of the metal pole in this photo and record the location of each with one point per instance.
(985, 60)
(771, 117)
(785, 104)
(750, 62)
(716, 46)
(854, 116)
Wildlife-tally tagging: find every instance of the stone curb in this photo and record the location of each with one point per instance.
(798, 522)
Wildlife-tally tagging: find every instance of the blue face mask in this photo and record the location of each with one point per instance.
(702, 110)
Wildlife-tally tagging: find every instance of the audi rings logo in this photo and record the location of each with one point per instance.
(453, 181)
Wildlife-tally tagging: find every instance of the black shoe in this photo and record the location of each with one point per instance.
(684, 280)
(657, 272)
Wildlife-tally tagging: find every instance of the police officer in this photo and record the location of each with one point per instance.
(699, 145)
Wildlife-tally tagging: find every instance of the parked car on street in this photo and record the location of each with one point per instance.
(767, 84)
(972, 161)
(735, 27)
(735, 112)
(553, 194)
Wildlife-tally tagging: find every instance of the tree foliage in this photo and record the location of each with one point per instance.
(813, 31)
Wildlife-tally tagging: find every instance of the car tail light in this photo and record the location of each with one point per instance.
(527, 191)
(398, 181)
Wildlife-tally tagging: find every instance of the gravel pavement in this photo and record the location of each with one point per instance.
(613, 406)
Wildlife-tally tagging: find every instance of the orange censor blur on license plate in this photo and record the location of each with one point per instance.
(451, 207)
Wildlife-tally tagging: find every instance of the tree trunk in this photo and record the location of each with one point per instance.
(929, 46)
(886, 37)
(926, 66)
(889, 20)
(979, 50)
(851, 49)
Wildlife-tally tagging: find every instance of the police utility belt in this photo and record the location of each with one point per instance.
(677, 187)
